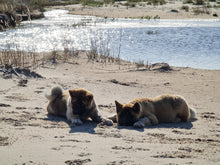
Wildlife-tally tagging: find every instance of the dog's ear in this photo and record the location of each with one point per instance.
(72, 92)
(89, 97)
(136, 108)
(118, 106)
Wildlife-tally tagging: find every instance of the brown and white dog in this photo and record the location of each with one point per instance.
(143, 112)
(77, 105)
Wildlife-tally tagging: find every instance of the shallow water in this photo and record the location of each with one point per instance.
(187, 43)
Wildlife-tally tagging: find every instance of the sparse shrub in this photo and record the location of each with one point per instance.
(208, 5)
(54, 56)
(187, 1)
(200, 10)
(130, 4)
(92, 3)
(198, 2)
(134, 1)
(147, 17)
(156, 17)
(79, 24)
(139, 64)
(186, 8)
(155, 2)
(215, 15)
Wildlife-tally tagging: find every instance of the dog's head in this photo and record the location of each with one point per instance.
(81, 100)
(127, 114)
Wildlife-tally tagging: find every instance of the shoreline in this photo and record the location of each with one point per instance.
(37, 59)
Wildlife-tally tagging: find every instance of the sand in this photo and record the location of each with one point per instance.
(29, 136)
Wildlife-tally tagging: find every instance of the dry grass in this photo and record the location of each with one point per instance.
(19, 58)
(101, 51)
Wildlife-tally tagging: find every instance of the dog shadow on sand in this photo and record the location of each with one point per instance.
(88, 126)
(182, 125)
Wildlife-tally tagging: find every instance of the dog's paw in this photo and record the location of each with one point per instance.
(177, 120)
(107, 122)
(138, 124)
(153, 121)
(76, 122)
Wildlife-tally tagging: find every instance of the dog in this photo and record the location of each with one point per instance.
(77, 105)
(143, 112)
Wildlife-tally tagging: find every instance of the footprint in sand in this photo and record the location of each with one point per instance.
(77, 161)
(4, 105)
(208, 115)
(4, 141)
(84, 154)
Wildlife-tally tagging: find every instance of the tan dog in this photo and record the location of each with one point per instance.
(143, 112)
(76, 105)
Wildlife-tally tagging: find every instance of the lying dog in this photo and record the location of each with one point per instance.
(143, 112)
(76, 105)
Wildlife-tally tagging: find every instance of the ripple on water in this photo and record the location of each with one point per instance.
(192, 43)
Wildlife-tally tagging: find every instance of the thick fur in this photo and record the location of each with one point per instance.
(143, 112)
(77, 105)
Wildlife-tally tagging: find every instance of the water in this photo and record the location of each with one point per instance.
(186, 43)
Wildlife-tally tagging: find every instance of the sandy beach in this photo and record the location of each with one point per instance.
(30, 136)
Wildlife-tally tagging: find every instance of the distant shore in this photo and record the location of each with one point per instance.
(122, 9)
(175, 10)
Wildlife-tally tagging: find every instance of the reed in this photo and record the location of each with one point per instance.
(102, 51)
(201, 10)
(19, 58)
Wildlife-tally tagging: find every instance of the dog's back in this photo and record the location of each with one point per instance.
(171, 108)
(166, 108)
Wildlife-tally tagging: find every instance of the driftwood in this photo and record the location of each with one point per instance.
(8, 71)
(162, 67)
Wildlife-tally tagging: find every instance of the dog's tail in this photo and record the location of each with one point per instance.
(55, 92)
(192, 113)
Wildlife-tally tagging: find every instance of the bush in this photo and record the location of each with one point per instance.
(199, 2)
(186, 8)
(215, 15)
(133, 0)
(130, 4)
(155, 2)
(199, 10)
(187, 1)
(92, 3)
